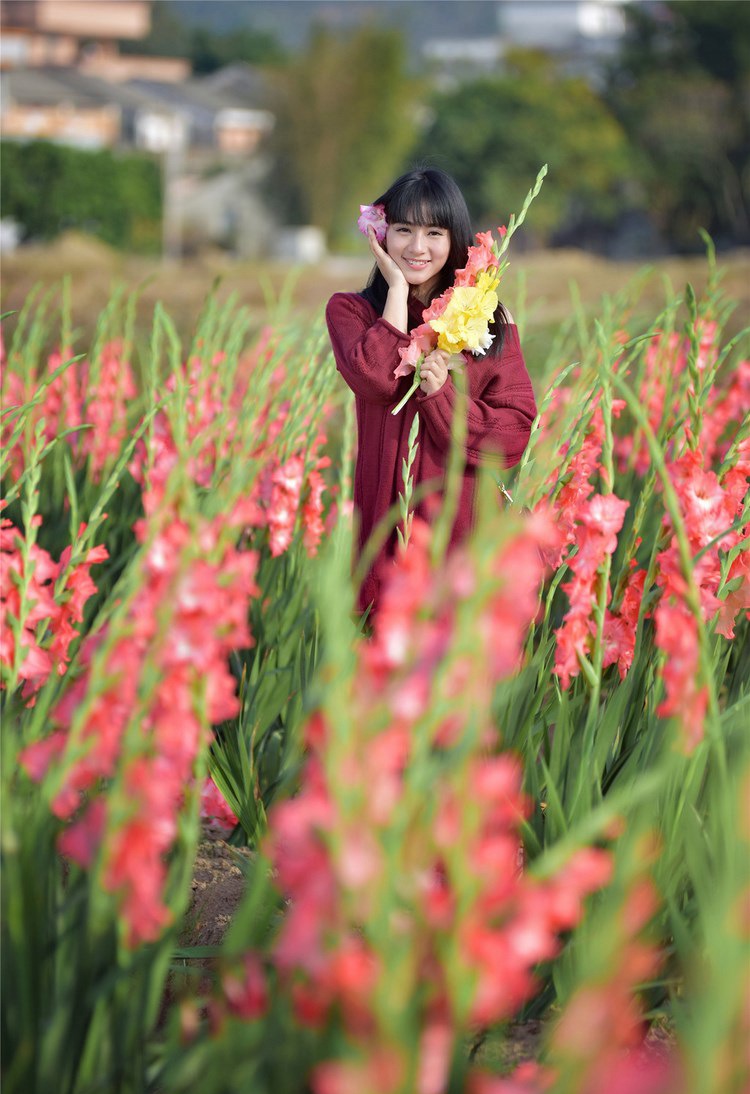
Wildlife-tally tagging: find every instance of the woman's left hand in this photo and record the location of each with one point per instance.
(434, 371)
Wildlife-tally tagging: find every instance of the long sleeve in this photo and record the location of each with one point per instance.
(365, 348)
(501, 407)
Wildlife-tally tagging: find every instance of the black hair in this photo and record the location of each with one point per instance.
(429, 197)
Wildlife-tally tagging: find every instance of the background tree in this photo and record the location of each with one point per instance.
(346, 113)
(49, 188)
(205, 47)
(681, 89)
(494, 133)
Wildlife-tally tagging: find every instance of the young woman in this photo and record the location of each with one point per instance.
(427, 239)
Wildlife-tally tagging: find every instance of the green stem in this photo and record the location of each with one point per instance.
(415, 384)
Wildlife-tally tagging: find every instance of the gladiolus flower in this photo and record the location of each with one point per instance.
(463, 324)
(373, 216)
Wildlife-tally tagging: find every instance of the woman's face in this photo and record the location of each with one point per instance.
(420, 252)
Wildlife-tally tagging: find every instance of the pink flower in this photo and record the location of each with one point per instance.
(738, 598)
(373, 216)
(58, 606)
(214, 807)
(677, 636)
(245, 991)
(175, 682)
(481, 256)
(599, 519)
(620, 628)
(423, 340)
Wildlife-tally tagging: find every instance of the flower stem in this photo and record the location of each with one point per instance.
(415, 384)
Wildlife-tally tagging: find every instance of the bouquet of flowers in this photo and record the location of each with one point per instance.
(459, 319)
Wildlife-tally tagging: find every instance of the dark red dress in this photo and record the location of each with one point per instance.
(500, 414)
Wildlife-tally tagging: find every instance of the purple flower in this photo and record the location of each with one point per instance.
(372, 215)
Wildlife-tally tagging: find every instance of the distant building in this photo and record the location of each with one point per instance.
(472, 53)
(579, 32)
(582, 27)
(81, 33)
(76, 108)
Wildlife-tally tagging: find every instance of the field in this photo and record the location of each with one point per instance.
(537, 285)
(517, 801)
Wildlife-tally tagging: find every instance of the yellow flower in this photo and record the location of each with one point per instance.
(465, 321)
(488, 280)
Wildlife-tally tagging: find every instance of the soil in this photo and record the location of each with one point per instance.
(217, 889)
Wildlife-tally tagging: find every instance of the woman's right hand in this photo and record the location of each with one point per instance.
(392, 273)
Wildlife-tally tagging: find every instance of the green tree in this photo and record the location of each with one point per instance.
(681, 89)
(494, 133)
(209, 51)
(47, 188)
(206, 49)
(346, 113)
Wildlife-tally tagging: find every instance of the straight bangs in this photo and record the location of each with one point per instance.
(422, 204)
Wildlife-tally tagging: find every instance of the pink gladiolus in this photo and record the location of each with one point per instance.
(214, 807)
(620, 628)
(599, 519)
(334, 864)
(738, 598)
(725, 408)
(285, 494)
(95, 394)
(708, 509)
(51, 612)
(373, 216)
(676, 635)
(481, 257)
(382, 1073)
(423, 340)
(245, 990)
(189, 688)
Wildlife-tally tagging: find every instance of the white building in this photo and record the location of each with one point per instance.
(562, 26)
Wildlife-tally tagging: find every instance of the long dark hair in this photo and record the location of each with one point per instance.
(429, 197)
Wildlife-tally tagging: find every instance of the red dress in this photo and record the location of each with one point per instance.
(500, 414)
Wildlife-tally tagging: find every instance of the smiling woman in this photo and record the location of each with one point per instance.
(420, 252)
(425, 229)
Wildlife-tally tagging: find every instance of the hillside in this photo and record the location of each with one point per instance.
(291, 20)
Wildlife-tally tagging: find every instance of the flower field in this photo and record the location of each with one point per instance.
(521, 792)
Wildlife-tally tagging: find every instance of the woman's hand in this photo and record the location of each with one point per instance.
(392, 273)
(434, 371)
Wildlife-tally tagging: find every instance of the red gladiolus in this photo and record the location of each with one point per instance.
(725, 408)
(284, 491)
(620, 628)
(245, 990)
(686, 698)
(381, 1073)
(52, 608)
(142, 710)
(598, 520)
(451, 889)
(214, 807)
(95, 394)
(708, 509)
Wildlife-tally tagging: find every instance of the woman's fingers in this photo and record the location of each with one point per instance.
(393, 274)
(434, 371)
